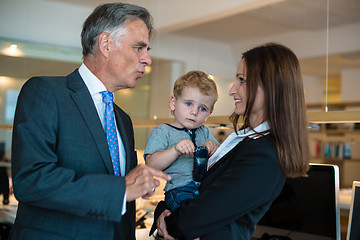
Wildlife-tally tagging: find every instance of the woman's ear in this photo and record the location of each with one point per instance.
(104, 43)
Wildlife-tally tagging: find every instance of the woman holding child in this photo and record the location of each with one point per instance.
(248, 171)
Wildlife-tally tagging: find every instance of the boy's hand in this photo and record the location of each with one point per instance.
(211, 146)
(185, 147)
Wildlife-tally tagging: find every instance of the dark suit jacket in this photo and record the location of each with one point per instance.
(62, 170)
(234, 194)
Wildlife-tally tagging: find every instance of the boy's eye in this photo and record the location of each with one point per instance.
(202, 109)
(188, 104)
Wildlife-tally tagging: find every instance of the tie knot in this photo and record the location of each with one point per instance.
(107, 96)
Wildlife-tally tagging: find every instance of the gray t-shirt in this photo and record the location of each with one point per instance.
(164, 137)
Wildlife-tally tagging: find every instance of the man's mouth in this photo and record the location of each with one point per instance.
(140, 74)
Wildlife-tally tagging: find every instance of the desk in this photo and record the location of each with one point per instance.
(5, 164)
(283, 232)
(8, 214)
(345, 201)
(345, 198)
(143, 234)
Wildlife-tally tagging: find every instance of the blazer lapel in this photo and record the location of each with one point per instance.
(86, 107)
(222, 162)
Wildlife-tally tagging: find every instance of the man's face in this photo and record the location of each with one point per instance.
(126, 61)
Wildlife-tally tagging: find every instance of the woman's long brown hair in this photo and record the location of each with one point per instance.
(277, 69)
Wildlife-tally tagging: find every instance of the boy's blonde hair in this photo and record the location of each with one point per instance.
(199, 80)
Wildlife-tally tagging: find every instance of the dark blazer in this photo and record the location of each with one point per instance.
(234, 195)
(61, 165)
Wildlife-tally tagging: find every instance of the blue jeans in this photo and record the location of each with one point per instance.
(175, 196)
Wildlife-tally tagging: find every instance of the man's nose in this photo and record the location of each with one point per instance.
(145, 58)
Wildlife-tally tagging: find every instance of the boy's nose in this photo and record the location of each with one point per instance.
(194, 111)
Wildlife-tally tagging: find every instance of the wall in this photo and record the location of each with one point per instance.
(313, 88)
(163, 75)
(218, 59)
(7, 108)
(211, 57)
(350, 81)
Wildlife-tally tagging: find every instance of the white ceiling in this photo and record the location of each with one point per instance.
(283, 16)
(280, 17)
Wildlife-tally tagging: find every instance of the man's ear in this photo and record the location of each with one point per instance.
(104, 43)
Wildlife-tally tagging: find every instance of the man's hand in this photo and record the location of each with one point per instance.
(141, 182)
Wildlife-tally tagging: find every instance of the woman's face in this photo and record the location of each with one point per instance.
(238, 92)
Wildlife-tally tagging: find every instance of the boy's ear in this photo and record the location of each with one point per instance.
(208, 116)
(172, 103)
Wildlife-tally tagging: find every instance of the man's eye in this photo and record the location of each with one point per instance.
(138, 49)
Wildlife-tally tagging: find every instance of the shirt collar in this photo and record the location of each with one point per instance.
(91, 81)
(181, 129)
(262, 128)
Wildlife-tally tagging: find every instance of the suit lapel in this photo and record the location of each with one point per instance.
(86, 107)
(124, 137)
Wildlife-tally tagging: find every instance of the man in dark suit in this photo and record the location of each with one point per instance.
(63, 175)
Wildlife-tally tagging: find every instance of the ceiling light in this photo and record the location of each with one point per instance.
(12, 51)
(4, 80)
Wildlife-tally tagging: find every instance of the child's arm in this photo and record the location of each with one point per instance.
(211, 146)
(162, 160)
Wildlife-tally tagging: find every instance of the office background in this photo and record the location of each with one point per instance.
(42, 37)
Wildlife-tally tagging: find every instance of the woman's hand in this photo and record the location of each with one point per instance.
(161, 225)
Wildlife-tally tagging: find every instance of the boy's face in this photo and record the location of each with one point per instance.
(191, 109)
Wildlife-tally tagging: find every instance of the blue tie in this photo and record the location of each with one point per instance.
(110, 130)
